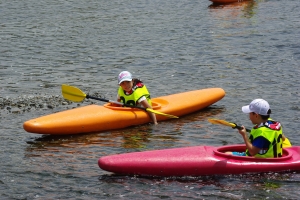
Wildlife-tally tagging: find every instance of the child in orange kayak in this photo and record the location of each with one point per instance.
(134, 92)
(266, 137)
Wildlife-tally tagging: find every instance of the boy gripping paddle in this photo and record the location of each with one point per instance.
(266, 136)
(134, 92)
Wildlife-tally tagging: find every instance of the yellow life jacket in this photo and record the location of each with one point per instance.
(272, 131)
(138, 92)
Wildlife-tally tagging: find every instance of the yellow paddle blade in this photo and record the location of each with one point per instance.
(160, 113)
(222, 122)
(72, 93)
(286, 143)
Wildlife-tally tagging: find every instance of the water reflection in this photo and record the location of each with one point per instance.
(233, 10)
(213, 187)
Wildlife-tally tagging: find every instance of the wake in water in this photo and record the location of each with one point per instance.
(40, 102)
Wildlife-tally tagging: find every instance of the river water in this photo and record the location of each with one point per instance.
(249, 49)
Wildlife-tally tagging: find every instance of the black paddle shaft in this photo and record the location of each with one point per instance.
(116, 102)
(240, 128)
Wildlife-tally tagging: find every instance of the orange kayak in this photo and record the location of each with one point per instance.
(96, 118)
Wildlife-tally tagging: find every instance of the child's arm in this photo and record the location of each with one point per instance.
(253, 150)
(152, 115)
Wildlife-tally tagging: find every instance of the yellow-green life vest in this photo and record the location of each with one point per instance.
(274, 136)
(133, 98)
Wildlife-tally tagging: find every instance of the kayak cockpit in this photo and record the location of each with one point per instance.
(156, 105)
(220, 151)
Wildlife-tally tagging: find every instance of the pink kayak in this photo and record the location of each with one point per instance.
(197, 161)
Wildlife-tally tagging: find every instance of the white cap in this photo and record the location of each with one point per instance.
(258, 106)
(124, 76)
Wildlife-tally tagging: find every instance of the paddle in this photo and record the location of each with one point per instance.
(75, 94)
(225, 123)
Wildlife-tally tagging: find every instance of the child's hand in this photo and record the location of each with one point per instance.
(243, 131)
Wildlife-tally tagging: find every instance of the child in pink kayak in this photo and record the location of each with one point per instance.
(266, 137)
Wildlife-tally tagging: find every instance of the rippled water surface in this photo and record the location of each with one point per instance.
(249, 49)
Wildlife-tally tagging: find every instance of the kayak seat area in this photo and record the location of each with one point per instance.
(220, 151)
(155, 106)
(158, 103)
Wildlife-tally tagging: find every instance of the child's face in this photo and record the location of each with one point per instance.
(255, 118)
(126, 85)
